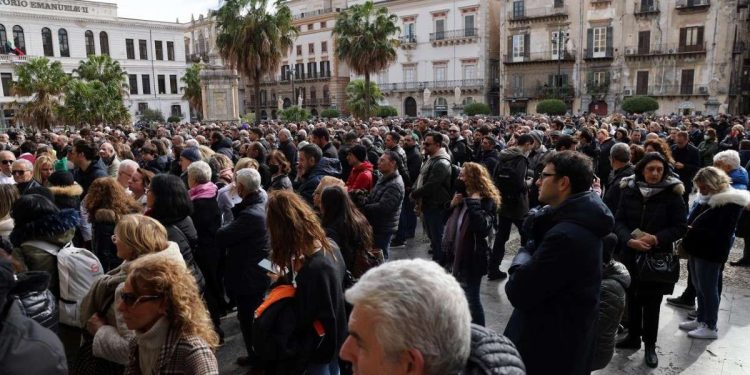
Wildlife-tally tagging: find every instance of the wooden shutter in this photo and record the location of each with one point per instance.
(589, 43)
(610, 50)
(510, 48)
(526, 45)
(683, 38)
(699, 46)
(641, 83)
(644, 42)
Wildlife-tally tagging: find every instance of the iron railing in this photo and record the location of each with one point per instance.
(664, 49)
(525, 14)
(420, 86)
(667, 90)
(454, 34)
(545, 56)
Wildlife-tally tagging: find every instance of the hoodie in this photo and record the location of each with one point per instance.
(309, 182)
(360, 178)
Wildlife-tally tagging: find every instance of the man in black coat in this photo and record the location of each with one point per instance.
(85, 156)
(407, 224)
(687, 162)
(619, 159)
(383, 207)
(289, 149)
(605, 145)
(458, 146)
(245, 241)
(322, 138)
(555, 279)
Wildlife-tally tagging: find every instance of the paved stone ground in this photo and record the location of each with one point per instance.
(678, 354)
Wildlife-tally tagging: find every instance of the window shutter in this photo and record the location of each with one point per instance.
(610, 50)
(683, 37)
(526, 45)
(510, 48)
(590, 42)
(700, 37)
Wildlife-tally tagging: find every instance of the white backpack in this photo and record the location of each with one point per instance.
(77, 269)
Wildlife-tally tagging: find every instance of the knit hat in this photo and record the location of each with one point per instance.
(61, 178)
(191, 153)
(359, 152)
(538, 136)
(62, 165)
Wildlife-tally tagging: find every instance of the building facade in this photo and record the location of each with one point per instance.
(150, 52)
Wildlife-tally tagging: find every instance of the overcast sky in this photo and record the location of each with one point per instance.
(163, 10)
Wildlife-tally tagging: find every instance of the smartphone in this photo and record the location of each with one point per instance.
(268, 266)
(637, 233)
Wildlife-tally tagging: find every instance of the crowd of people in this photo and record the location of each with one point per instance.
(292, 226)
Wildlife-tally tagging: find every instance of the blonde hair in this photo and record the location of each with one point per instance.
(206, 152)
(246, 163)
(142, 234)
(478, 181)
(713, 178)
(39, 164)
(328, 181)
(8, 195)
(168, 278)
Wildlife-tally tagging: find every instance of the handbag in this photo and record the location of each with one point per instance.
(679, 246)
(658, 267)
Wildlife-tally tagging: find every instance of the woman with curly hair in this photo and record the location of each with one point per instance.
(106, 202)
(173, 332)
(659, 145)
(43, 168)
(465, 239)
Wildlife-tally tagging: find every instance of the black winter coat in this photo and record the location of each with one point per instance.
(470, 261)
(413, 164)
(615, 282)
(183, 233)
(690, 157)
(35, 299)
(96, 169)
(460, 150)
(492, 353)
(383, 207)
(604, 167)
(280, 182)
(612, 189)
(515, 201)
(103, 227)
(712, 225)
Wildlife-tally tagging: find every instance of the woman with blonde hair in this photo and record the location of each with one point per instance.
(161, 303)
(44, 166)
(300, 248)
(465, 239)
(8, 195)
(325, 182)
(228, 196)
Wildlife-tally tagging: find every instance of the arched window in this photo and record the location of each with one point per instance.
(104, 43)
(90, 47)
(62, 36)
(47, 42)
(3, 39)
(18, 39)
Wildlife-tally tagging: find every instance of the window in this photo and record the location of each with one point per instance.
(410, 32)
(133, 82)
(3, 39)
(323, 25)
(161, 81)
(310, 26)
(159, 48)
(440, 72)
(173, 83)
(641, 83)
(691, 39)
(142, 107)
(518, 47)
(558, 44)
(62, 36)
(469, 29)
(556, 80)
(299, 71)
(600, 42)
(90, 47)
(146, 84)
(469, 71)
(311, 48)
(312, 70)
(299, 50)
(284, 72)
(6, 79)
(176, 110)
(410, 74)
(324, 47)
(104, 43)
(383, 77)
(600, 78)
(170, 51)
(686, 81)
(18, 39)
(130, 48)
(325, 68)
(439, 29)
(143, 49)
(644, 42)
(47, 42)
(518, 10)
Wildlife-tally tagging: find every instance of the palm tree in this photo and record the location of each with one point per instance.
(96, 93)
(191, 91)
(357, 98)
(364, 41)
(44, 83)
(253, 40)
(103, 68)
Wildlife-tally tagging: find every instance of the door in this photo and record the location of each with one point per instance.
(598, 108)
(686, 83)
(469, 25)
(644, 42)
(641, 86)
(410, 107)
(439, 29)
(558, 45)
(519, 49)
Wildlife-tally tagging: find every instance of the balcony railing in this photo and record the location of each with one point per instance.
(590, 54)
(432, 85)
(14, 59)
(198, 57)
(692, 4)
(454, 34)
(528, 14)
(667, 90)
(646, 9)
(519, 92)
(407, 39)
(664, 49)
(553, 92)
(594, 88)
(546, 56)
(317, 12)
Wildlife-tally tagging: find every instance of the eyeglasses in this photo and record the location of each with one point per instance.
(7, 161)
(19, 172)
(545, 175)
(132, 299)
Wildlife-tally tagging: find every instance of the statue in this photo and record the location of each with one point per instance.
(279, 103)
(457, 94)
(426, 96)
(299, 100)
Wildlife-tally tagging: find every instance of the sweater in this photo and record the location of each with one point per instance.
(150, 343)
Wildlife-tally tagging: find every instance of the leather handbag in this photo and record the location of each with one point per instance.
(657, 267)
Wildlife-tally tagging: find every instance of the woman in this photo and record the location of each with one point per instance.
(106, 337)
(636, 153)
(345, 225)
(106, 202)
(138, 184)
(8, 196)
(222, 168)
(659, 145)
(325, 182)
(228, 196)
(473, 213)
(709, 238)
(650, 217)
(732, 140)
(279, 168)
(299, 245)
(43, 168)
(169, 203)
(161, 303)
(709, 147)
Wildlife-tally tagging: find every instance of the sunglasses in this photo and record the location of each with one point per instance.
(18, 172)
(7, 161)
(132, 299)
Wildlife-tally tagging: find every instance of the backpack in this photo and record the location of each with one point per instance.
(78, 269)
(507, 179)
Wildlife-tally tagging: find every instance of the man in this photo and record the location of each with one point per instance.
(109, 157)
(458, 146)
(407, 224)
(126, 171)
(488, 155)
(605, 145)
(222, 145)
(431, 191)
(392, 140)
(636, 137)
(23, 174)
(619, 158)
(287, 147)
(245, 242)
(565, 142)
(536, 157)
(322, 138)
(687, 162)
(555, 279)
(6, 160)
(88, 165)
(5, 142)
(350, 139)
(383, 207)
(311, 169)
(360, 177)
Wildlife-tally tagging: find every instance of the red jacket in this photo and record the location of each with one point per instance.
(360, 177)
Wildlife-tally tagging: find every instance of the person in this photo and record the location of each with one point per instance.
(392, 325)
(25, 346)
(655, 192)
(732, 140)
(458, 146)
(109, 157)
(106, 203)
(138, 184)
(23, 176)
(383, 207)
(6, 160)
(126, 171)
(279, 168)
(169, 203)
(187, 156)
(431, 191)
(312, 168)
(287, 147)
(687, 162)
(605, 145)
(729, 162)
(619, 159)
(708, 241)
(299, 245)
(160, 301)
(65, 191)
(322, 138)
(345, 225)
(361, 176)
(206, 218)
(708, 148)
(324, 183)
(407, 224)
(472, 217)
(8, 196)
(488, 155)
(89, 165)
(43, 168)
(553, 284)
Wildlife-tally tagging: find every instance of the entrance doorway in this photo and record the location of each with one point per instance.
(598, 107)
(410, 107)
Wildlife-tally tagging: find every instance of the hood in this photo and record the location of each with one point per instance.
(171, 252)
(670, 182)
(73, 191)
(730, 196)
(739, 177)
(31, 281)
(511, 153)
(616, 271)
(327, 167)
(58, 228)
(587, 210)
(365, 166)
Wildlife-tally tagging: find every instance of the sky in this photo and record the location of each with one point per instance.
(163, 10)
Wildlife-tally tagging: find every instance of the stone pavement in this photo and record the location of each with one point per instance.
(678, 354)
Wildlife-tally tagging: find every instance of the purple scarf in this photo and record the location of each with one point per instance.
(202, 191)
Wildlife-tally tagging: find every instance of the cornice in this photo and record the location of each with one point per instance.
(124, 22)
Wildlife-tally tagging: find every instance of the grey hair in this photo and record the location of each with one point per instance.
(620, 151)
(715, 179)
(418, 306)
(192, 143)
(728, 157)
(127, 163)
(26, 164)
(286, 132)
(199, 171)
(249, 179)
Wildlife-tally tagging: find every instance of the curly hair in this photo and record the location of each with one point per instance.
(107, 193)
(659, 145)
(8, 196)
(142, 234)
(478, 181)
(172, 280)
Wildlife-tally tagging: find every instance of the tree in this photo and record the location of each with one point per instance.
(295, 114)
(640, 104)
(387, 111)
(551, 107)
(191, 91)
(329, 113)
(357, 98)
(152, 115)
(96, 93)
(253, 40)
(476, 108)
(44, 83)
(364, 42)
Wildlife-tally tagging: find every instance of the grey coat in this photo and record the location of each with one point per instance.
(383, 207)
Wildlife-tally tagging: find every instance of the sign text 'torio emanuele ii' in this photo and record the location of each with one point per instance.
(43, 5)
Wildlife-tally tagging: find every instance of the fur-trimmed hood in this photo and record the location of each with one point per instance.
(31, 281)
(730, 196)
(74, 190)
(677, 186)
(45, 227)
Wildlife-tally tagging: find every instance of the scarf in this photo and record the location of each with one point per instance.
(207, 190)
(649, 190)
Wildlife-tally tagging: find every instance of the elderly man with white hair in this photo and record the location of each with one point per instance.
(729, 162)
(23, 174)
(125, 172)
(411, 317)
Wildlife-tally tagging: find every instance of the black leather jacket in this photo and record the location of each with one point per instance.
(34, 298)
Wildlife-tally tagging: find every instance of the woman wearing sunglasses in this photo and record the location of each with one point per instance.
(173, 331)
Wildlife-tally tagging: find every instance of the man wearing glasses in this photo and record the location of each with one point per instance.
(6, 160)
(23, 175)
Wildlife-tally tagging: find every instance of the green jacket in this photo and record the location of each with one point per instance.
(32, 258)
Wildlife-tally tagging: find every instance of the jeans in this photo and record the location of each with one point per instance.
(323, 368)
(407, 223)
(246, 305)
(502, 236)
(643, 315)
(706, 276)
(382, 241)
(433, 219)
(471, 289)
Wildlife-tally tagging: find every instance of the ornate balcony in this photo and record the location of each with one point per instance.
(317, 12)
(645, 10)
(408, 41)
(14, 59)
(541, 57)
(665, 49)
(692, 5)
(592, 55)
(537, 14)
(667, 90)
(437, 87)
(460, 36)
